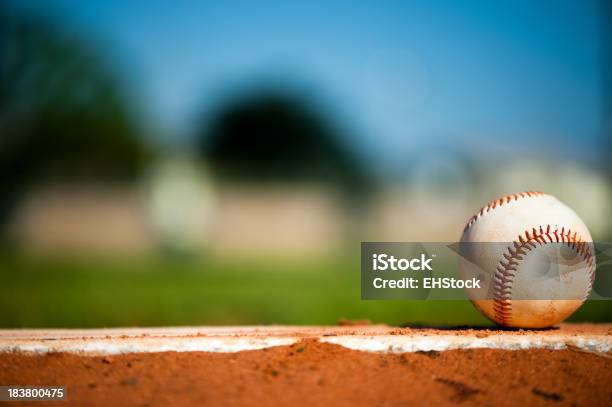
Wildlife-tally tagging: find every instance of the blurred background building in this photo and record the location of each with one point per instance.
(292, 131)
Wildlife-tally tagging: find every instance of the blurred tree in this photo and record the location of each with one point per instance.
(61, 111)
(276, 136)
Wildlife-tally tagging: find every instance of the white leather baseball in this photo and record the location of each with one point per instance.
(529, 230)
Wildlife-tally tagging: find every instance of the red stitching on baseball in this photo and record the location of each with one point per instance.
(499, 202)
(506, 269)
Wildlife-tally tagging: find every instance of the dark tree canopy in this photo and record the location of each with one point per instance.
(275, 136)
(62, 113)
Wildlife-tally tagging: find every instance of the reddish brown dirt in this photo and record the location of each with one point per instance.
(313, 373)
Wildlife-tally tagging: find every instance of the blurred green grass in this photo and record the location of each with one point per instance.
(160, 291)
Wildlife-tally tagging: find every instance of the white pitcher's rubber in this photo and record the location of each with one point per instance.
(371, 338)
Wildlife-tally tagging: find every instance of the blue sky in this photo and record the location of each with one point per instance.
(399, 75)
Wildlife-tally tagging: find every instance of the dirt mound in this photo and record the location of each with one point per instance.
(314, 373)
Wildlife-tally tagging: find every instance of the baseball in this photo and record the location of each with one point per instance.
(512, 244)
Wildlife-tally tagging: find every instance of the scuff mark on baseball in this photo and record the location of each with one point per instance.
(511, 241)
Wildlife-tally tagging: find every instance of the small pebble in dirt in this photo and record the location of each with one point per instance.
(106, 361)
(129, 382)
(92, 385)
(462, 390)
(548, 396)
(431, 353)
(300, 350)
